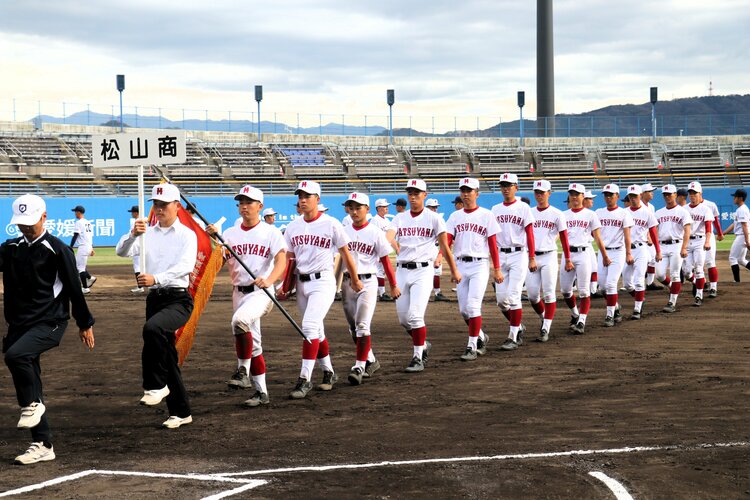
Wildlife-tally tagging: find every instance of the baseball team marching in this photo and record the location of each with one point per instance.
(511, 245)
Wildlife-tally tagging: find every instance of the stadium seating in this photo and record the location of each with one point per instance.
(437, 161)
(492, 162)
(627, 164)
(373, 162)
(306, 161)
(741, 155)
(561, 165)
(684, 161)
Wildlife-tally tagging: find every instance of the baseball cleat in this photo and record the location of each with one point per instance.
(154, 396)
(543, 335)
(669, 308)
(482, 344)
(370, 368)
(301, 389)
(415, 365)
(618, 314)
(469, 355)
(137, 289)
(90, 281)
(609, 321)
(329, 379)
(338, 297)
(509, 345)
(174, 422)
(573, 322)
(426, 352)
(257, 399)
(520, 335)
(579, 329)
(636, 315)
(712, 293)
(31, 416)
(385, 298)
(86, 290)
(37, 452)
(240, 379)
(698, 302)
(355, 376)
(654, 286)
(439, 297)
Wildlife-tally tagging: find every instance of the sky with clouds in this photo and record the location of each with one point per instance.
(444, 58)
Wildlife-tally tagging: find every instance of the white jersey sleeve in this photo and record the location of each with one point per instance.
(742, 214)
(85, 232)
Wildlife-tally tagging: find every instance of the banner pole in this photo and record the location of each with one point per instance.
(142, 214)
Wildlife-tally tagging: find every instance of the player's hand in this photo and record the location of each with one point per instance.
(87, 337)
(569, 266)
(146, 280)
(719, 237)
(606, 260)
(498, 276)
(395, 292)
(262, 282)
(211, 230)
(658, 257)
(707, 246)
(629, 259)
(683, 253)
(747, 245)
(532, 264)
(92, 253)
(139, 227)
(456, 278)
(357, 285)
(439, 260)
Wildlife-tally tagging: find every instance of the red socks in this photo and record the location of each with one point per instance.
(419, 335)
(363, 347)
(611, 299)
(585, 305)
(310, 349)
(475, 325)
(538, 307)
(243, 345)
(257, 365)
(713, 274)
(323, 350)
(549, 310)
(571, 301)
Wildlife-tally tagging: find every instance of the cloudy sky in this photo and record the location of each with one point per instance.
(444, 58)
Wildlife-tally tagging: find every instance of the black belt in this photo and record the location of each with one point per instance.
(510, 249)
(578, 249)
(669, 242)
(698, 237)
(412, 265)
(360, 276)
(471, 259)
(545, 252)
(168, 290)
(636, 244)
(613, 248)
(246, 289)
(309, 277)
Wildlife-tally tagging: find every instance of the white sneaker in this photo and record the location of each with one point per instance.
(86, 290)
(154, 396)
(37, 452)
(90, 281)
(137, 290)
(31, 415)
(174, 422)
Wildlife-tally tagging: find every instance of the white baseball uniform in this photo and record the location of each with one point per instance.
(672, 222)
(651, 249)
(634, 275)
(738, 252)
(715, 228)
(613, 221)
(85, 231)
(582, 222)
(696, 259)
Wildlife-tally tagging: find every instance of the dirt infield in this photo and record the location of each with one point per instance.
(530, 420)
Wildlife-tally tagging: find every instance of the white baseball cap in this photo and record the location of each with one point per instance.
(542, 185)
(611, 188)
(360, 198)
(309, 187)
(165, 192)
(269, 211)
(635, 189)
(468, 182)
(510, 178)
(321, 207)
(432, 202)
(381, 202)
(647, 187)
(669, 188)
(28, 210)
(589, 194)
(253, 193)
(416, 184)
(695, 186)
(578, 188)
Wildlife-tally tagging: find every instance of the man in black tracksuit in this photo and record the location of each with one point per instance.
(40, 281)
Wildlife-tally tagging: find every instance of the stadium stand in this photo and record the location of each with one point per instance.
(741, 156)
(490, 162)
(373, 162)
(685, 160)
(560, 165)
(627, 164)
(438, 161)
(308, 161)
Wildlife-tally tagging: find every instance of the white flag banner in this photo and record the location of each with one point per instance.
(161, 147)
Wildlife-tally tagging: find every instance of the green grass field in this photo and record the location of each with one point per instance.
(105, 256)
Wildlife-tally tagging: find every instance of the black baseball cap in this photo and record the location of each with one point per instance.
(400, 202)
(79, 208)
(134, 209)
(682, 192)
(457, 199)
(740, 193)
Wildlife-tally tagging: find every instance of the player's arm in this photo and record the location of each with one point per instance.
(497, 273)
(730, 228)
(654, 236)
(351, 266)
(531, 245)
(566, 250)
(390, 235)
(717, 225)
(747, 237)
(388, 269)
(685, 240)
(628, 253)
(288, 283)
(279, 266)
(709, 235)
(73, 240)
(68, 275)
(596, 234)
(448, 256)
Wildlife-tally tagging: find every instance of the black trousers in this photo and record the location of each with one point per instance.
(165, 313)
(22, 349)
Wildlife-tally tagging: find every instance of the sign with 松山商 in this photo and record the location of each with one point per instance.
(139, 148)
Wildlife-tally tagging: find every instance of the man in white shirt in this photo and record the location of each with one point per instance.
(740, 226)
(674, 235)
(269, 216)
(83, 235)
(171, 250)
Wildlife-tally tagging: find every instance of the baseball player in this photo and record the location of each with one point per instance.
(674, 234)
(473, 233)
(134, 215)
(644, 230)
(416, 232)
(400, 205)
(549, 224)
(458, 203)
(368, 246)
(647, 194)
(263, 250)
(583, 225)
(310, 240)
(269, 216)
(701, 236)
(588, 202)
(515, 241)
(380, 221)
(615, 233)
(433, 205)
(741, 244)
(711, 269)
(83, 235)
(41, 282)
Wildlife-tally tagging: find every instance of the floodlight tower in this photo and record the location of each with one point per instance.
(545, 68)
(390, 98)
(521, 102)
(120, 88)
(258, 98)
(654, 98)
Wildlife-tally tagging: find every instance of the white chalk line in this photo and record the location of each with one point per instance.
(522, 456)
(247, 484)
(617, 488)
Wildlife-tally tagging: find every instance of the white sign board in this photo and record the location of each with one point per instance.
(164, 147)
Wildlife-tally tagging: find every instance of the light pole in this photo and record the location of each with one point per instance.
(390, 98)
(120, 88)
(258, 98)
(521, 102)
(654, 92)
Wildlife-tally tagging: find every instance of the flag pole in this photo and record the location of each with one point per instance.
(141, 213)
